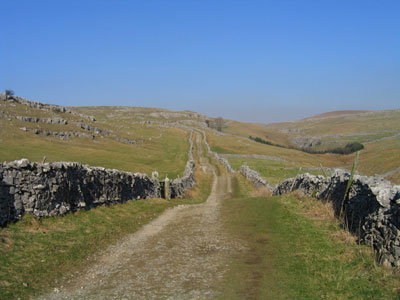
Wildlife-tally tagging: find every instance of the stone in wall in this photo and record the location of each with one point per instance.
(180, 185)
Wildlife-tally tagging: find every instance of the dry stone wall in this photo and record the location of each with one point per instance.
(217, 157)
(371, 211)
(179, 186)
(245, 170)
(53, 189)
(254, 177)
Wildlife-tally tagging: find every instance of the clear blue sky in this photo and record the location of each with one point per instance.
(260, 61)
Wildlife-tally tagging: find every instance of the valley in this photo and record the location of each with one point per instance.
(215, 242)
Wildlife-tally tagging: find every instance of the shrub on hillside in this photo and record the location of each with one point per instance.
(349, 148)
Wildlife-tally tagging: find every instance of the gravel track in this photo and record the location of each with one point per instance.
(183, 254)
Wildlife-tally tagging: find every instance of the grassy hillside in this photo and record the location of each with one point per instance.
(274, 171)
(157, 148)
(160, 143)
(378, 131)
(242, 145)
(357, 124)
(256, 130)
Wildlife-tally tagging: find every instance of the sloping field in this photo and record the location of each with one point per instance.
(337, 113)
(275, 171)
(358, 124)
(378, 131)
(257, 130)
(241, 145)
(145, 139)
(108, 143)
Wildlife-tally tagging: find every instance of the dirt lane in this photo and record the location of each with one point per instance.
(183, 254)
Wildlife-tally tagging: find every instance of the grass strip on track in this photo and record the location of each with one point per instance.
(297, 250)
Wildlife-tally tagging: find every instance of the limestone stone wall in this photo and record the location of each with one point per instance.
(254, 177)
(371, 211)
(245, 170)
(217, 157)
(180, 185)
(52, 189)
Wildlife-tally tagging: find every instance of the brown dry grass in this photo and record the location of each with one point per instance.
(261, 192)
(337, 113)
(322, 212)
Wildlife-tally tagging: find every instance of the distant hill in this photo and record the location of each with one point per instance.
(143, 139)
(336, 113)
(378, 131)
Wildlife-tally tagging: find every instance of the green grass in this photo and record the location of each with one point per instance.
(167, 154)
(337, 130)
(294, 252)
(273, 171)
(161, 149)
(40, 252)
(371, 122)
(243, 145)
(221, 150)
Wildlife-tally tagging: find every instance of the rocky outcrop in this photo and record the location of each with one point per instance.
(171, 115)
(48, 107)
(53, 189)
(306, 141)
(54, 120)
(90, 128)
(254, 177)
(63, 135)
(125, 140)
(371, 211)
